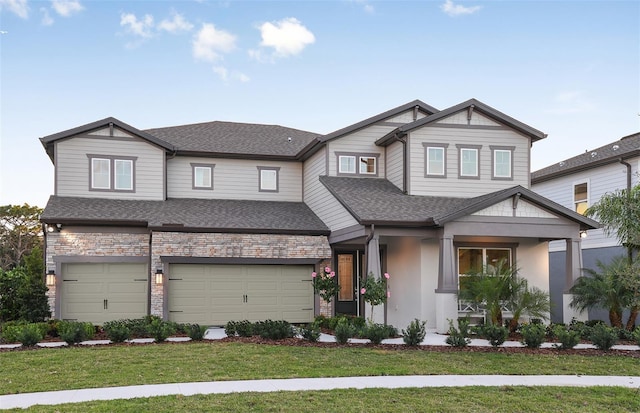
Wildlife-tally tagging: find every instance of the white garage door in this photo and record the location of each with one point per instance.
(215, 294)
(103, 292)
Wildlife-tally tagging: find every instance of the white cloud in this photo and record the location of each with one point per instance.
(570, 102)
(287, 37)
(241, 77)
(454, 10)
(209, 43)
(46, 18)
(177, 24)
(66, 8)
(142, 28)
(18, 7)
(367, 7)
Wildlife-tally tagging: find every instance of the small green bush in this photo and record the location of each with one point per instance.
(603, 336)
(74, 332)
(332, 322)
(10, 331)
(375, 332)
(195, 331)
(275, 330)
(31, 334)
(415, 333)
(344, 331)
(311, 332)
(160, 330)
(568, 338)
(244, 328)
(636, 335)
(533, 335)
(496, 334)
(459, 337)
(117, 331)
(230, 329)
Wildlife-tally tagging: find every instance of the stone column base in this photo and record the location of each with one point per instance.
(569, 313)
(446, 309)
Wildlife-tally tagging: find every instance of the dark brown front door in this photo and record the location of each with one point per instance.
(346, 271)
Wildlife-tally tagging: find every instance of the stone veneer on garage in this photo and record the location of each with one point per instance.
(69, 245)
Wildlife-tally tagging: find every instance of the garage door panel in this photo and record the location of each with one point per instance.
(297, 316)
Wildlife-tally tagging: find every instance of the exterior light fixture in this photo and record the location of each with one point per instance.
(583, 234)
(51, 278)
(158, 276)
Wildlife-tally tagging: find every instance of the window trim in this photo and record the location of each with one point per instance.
(92, 185)
(484, 246)
(357, 156)
(428, 146)
(194, 167)
(112, 172)
(494, 151)
(375, 165)
(573, 195)
(475, 148)
(115, 175)
(355, 169)
(275, 169)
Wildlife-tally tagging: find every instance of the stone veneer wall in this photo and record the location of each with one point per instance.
(91, 244)
(219, 245)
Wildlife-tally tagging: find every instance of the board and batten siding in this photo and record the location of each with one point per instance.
(453, 185)
(359, 142)
(395, 160)
(73, 170)
(319, 199)
(599, 181)
(234, 179)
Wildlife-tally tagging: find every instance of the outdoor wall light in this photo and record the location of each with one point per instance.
(583, 234)
(52, 228)
(158, 276)
(51, 278)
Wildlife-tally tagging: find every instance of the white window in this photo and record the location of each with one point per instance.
(435, 161)
(468, 162)
(202, 176)
(502, 163)
(368, 165)
(124, 175)
(268, 179)
(347, 164)
(475, 260)
(581, 197)
(100, 173)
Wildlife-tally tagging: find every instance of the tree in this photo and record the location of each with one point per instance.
(20, 232)
(22, 296)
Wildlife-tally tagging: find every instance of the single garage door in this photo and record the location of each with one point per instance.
(104, 292)
(215, 294)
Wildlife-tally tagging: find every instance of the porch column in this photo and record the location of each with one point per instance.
(447, 292)
(573, 271)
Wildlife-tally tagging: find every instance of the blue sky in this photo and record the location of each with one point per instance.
(568, 68)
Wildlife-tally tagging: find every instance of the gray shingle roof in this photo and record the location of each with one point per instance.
(627, 147)
(235, 138)
(188, 214)
(378, 201)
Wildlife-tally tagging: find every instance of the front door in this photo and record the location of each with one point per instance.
(347, 272)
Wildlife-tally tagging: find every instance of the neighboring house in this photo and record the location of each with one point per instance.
(578, 183)
(225, 221)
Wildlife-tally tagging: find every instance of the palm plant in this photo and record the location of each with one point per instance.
(490, 288)
(531, 301)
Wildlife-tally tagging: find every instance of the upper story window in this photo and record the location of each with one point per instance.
(111, 173)
(502, 162)
(435, 160)
(469, 161)
(268, 178)
(351, 163)
(202, 175)
(581, 197)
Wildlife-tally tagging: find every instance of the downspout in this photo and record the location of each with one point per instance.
(366, 247)
(405, 172)
(628, 165)
(150, 272)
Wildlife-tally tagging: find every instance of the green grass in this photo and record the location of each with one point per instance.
(121, 365)
(467, 399)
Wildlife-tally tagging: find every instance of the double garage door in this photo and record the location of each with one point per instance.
(103, 292)
(214, 294)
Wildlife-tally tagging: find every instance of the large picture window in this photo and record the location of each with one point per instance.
(472, 260)
(111, 173)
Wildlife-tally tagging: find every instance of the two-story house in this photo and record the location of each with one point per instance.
(225, 221)
(578, 183)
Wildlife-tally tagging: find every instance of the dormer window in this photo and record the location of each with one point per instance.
(111, 173)
(354, 164)
(347, 164)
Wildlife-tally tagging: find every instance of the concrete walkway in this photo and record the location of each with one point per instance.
(262, 386)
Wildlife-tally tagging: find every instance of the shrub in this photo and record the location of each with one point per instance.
(333, 321)
(603, 336)
(496, 334)
(74, 332)
(533, 335)
(23, 293)
(117, 331)
(344, 331)
(636, 335)
(415, 333)
(230, 328)
(30, 334)
(195, 331)
(275, 330)
(160, 330)
(375, 332)
(244, 328)
(568, 338)
(459, 337)
(10, 331)
(311, 332)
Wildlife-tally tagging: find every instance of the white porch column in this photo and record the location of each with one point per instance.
(573, 271)
(447, 292)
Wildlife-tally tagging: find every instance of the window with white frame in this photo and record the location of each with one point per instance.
(111, 173)
(347, 164)
(268, 179)
(473, 260)
(368, 165)
(469, 162)
(354, 163)
(581, 197)
(502, 162)
(435, 156)
(202, 175)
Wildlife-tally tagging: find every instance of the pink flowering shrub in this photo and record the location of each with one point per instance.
(375, 292)
(325, 284)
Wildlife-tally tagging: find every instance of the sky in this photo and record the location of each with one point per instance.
(568, 68)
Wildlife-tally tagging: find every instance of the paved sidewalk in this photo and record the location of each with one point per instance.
(262, 386)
